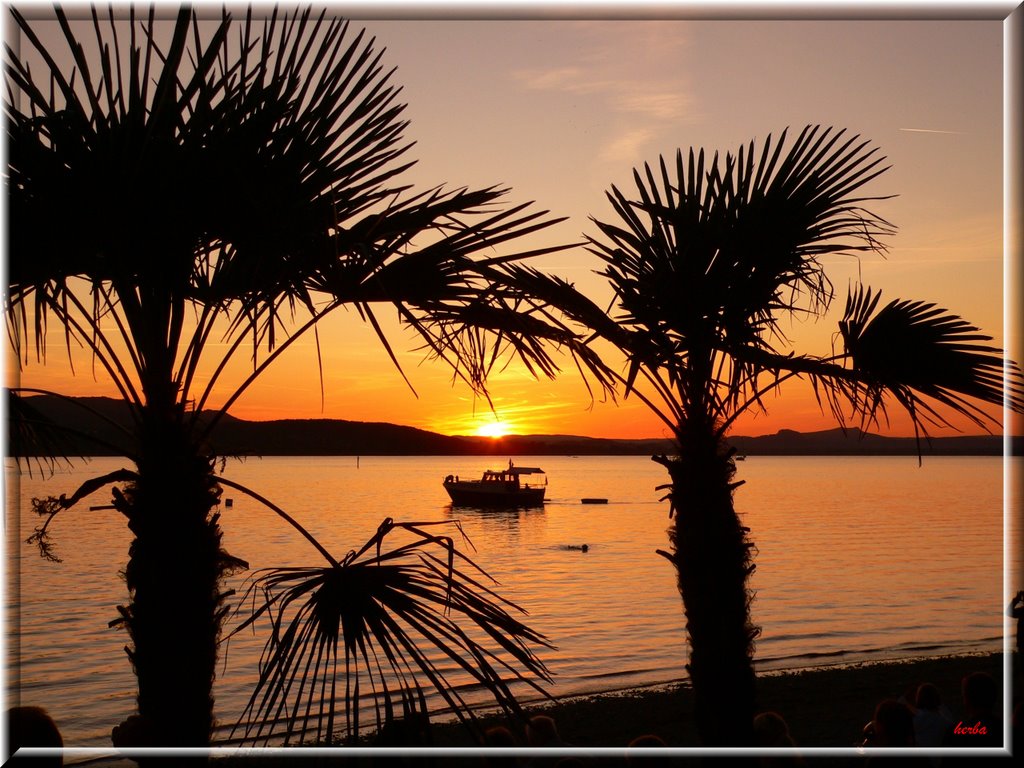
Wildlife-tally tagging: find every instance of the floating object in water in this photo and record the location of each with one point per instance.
(229, 502)
(580, 547)
(593, 501)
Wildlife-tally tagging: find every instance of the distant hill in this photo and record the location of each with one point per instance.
(854, 442)
(95, 426)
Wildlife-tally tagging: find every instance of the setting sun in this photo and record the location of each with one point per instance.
(494, 429)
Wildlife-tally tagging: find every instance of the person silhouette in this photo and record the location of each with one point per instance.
(931, 717)
(32, 727)
(1015, 610)
(771, 730)
(981, 726)
(893, 725)
(635, 752)
(542, 733)
(500, 737)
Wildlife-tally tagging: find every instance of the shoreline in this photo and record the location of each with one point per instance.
(825, 708)
(848, 692)
(445, 718)
(537, 702)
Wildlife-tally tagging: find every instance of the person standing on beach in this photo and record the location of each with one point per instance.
(1015, 610)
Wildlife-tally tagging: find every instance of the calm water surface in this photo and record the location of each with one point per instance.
(858, 558)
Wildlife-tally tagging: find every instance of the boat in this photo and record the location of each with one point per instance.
(511, 487)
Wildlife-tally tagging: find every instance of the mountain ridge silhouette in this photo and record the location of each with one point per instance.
(92, 420)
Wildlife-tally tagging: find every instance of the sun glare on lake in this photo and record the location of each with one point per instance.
(494, 429)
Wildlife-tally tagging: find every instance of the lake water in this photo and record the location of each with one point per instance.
(859, 558)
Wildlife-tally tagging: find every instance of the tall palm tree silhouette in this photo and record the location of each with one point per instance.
(231, 183)
(705, 262)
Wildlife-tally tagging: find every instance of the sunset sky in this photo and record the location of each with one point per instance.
(560, 110)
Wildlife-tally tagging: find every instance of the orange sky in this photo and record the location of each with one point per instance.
(559, 110)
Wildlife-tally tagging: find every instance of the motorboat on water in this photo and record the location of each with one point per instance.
(511, 487)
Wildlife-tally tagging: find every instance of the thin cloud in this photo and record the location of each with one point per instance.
(658, 105)
(627, 146)
(619, 95)
(932, 130)
(608, 70)
(558, 79)
(641, 105)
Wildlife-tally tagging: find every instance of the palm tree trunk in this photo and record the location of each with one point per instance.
(713, 559)
(173, 577)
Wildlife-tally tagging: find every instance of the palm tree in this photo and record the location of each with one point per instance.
(166, 194)
(705, 262)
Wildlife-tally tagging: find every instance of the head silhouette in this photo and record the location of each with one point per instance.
(33, 727)
(499, 736)
(894, 724)
(542, 732)
(927, 697)
(979, 693)
(770, 730)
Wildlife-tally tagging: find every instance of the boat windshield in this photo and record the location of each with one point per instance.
(512, 476)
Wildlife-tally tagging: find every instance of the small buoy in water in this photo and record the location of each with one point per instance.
(593, 501)
(228, 502)
(585, 548)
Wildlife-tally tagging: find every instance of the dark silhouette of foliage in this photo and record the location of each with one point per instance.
(192, 191)
(384, 608)
(706, 260)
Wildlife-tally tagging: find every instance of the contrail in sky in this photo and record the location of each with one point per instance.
(930, 130)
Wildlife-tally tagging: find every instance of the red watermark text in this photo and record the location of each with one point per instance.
(970, 730)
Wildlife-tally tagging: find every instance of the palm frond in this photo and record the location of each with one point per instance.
(252, 183)
(712, 253)
(395, 621)
(36, 437)
(708, 258)
(50, 506)
(249, 177)
(559, 298)
(726, 246)
(923, 355)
